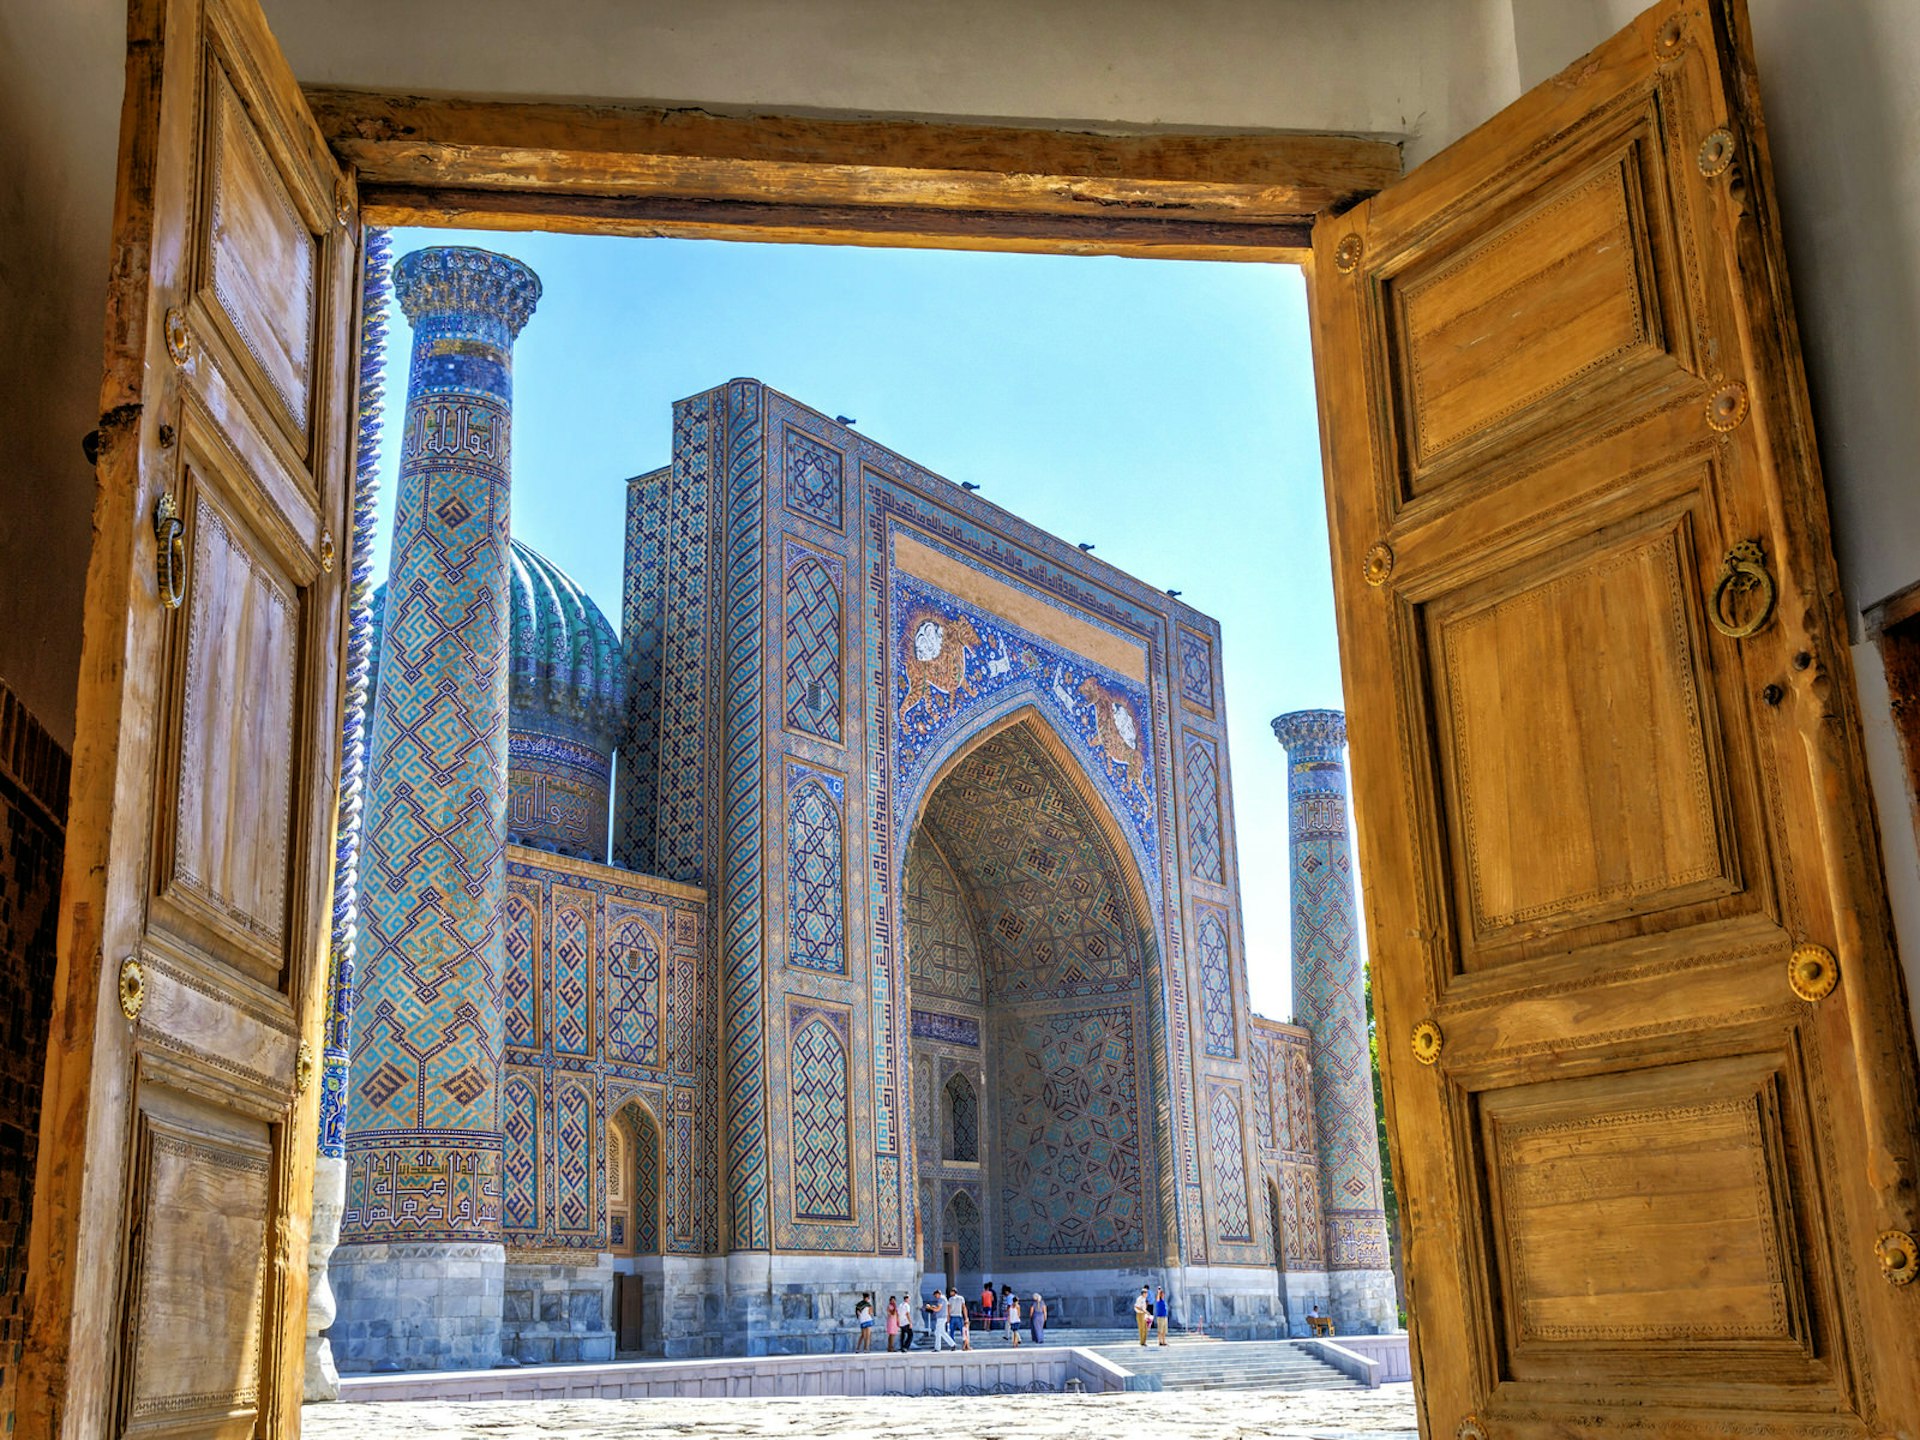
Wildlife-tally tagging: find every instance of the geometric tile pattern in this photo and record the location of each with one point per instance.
(822, 1154)
(962, 1224)
(813, 648)
(1203, 809)
(1196, 671)
(1216, 980)
(814, 483)
(1259, 1072)
(643, 627)
(520, 1121)
(575, 1211)
(816, 880)
(520, 983)
(942, 959)
(633, 994)
(357, 706)
(743, 739)
(688, 700)
(1233, 1222)
(1069, 1135)
(1013, 908)
(1281, 1073)
(646, 1189)
(648, 973)
(1327, 988)
(431, 877)
(963, 1121)
(1048, 892)
(1298, 1133)
(571, 988)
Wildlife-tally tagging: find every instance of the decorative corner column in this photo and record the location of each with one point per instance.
(1329, 999)
(330, 1167)
(420, 1274)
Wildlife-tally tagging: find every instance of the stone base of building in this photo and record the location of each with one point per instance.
(425, 1307)
(1230, 1302)
(1236, 1302)
(1364, 1302)
(803, 1304)
(417, 1306)
(557, 1312)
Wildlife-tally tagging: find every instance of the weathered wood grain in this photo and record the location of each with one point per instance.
(694, 172)
(167, 1262)
(1642, 1185)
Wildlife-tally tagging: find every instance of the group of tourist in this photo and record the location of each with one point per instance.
(948, 1320)
(1151, 1313)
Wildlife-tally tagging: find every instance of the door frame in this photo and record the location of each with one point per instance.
(712, 173)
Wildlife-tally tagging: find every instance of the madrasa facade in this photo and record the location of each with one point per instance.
(861, 915)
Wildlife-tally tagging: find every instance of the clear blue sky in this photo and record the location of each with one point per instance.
(1161, 409)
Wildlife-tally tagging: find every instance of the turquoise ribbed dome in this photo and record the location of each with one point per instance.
(563, 660)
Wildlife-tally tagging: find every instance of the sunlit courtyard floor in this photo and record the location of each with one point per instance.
(1383, 1414)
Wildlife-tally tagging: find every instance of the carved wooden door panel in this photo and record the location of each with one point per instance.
(167, 1268)
(1608, 777)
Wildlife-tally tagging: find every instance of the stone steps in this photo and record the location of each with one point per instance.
(1228, 1365)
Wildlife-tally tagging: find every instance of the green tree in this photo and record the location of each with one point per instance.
(1387, 1200)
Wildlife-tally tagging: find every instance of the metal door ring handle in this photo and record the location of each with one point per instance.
(1743, 573)
(171, 561)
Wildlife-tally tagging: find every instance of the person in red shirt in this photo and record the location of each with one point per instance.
(986, 1304)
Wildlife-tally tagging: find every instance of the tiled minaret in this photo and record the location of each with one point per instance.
(421, 1271)
(1328, 998)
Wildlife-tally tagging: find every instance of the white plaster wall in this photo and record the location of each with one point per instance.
(1387, 67)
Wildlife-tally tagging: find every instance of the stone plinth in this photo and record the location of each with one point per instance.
(418, 1306)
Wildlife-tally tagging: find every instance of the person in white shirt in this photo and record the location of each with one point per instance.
(1142, 1314)
(937, 1322)
(1013, 1319)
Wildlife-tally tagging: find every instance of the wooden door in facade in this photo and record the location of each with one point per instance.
(167, 1271)
(1642, 1037)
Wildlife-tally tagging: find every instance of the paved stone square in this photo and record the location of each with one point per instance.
(1383, 1414)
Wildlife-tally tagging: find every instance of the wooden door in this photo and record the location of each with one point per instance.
(629, 1303)
(167, 1265)
(1608, 776)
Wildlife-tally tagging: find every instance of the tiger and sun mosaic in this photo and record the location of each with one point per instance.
(864, 910)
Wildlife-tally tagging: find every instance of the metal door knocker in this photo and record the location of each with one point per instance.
(1744, 596)
(170, 563)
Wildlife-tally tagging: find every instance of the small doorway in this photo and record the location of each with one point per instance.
(629, 1312)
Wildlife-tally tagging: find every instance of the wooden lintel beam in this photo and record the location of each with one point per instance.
(918, 227)
(1150, 185)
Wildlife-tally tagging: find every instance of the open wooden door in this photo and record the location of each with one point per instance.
(1655, 1167)
(167, 1264)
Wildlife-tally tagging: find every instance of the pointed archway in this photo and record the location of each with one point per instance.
(1033, 977)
